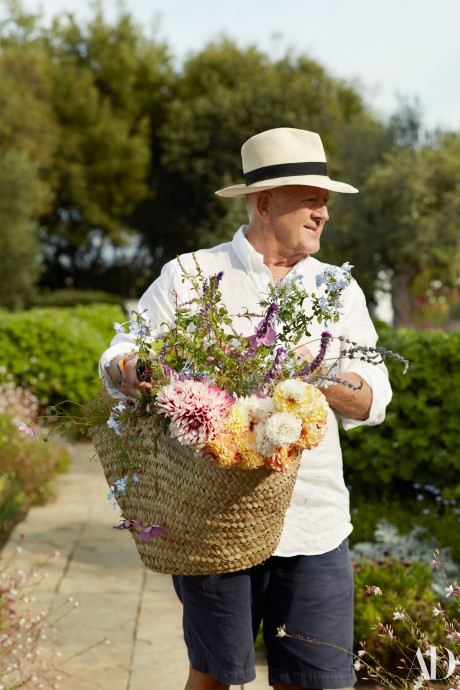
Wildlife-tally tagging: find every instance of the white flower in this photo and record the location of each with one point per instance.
(449, 590)
(119, 328)
(398, 616)
(361, 652)
(280, 429)
(257, 409)
(437, 612)
(357, 665)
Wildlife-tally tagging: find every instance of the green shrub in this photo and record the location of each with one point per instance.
(55, 352)
(27, 466)
(407, 587)
(72, 298)
(418, 442)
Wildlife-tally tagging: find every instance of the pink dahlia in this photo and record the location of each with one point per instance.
(196, 410)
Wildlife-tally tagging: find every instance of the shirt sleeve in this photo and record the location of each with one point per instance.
(358, 327)
(157, 306)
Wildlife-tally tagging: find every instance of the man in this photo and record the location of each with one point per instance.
(307, 585)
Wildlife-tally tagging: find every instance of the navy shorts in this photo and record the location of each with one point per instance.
(311, 595)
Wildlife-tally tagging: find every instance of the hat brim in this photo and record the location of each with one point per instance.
(320, 181)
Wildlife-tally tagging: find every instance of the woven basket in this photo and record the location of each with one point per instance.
(217, 520)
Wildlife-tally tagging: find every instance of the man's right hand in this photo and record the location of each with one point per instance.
(129, 381)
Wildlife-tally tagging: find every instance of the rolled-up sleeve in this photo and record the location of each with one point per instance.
(358, 327)
(157, 306)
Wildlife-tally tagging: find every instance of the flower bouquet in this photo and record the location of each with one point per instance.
(203, 462)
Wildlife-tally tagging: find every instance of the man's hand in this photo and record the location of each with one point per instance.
(130, 383)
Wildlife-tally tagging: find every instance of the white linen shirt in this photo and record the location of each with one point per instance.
(318, 517)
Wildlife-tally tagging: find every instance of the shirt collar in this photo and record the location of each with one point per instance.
(252, 260)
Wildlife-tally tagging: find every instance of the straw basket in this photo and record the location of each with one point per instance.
(217, 520)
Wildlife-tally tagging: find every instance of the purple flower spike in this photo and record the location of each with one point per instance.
(152, 532)
(326, 338)
(128, 524)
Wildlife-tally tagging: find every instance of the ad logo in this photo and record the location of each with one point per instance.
(431, 674)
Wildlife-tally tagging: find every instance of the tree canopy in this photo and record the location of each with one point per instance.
(127, 143)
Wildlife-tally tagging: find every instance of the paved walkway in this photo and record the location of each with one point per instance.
(119, 599)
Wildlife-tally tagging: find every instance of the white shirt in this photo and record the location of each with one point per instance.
(318, 517)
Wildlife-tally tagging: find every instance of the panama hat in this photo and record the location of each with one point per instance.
(284, 156)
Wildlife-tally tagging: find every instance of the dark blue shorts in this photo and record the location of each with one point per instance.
(311, 595)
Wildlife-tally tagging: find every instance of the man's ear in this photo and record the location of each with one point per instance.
(263, 205)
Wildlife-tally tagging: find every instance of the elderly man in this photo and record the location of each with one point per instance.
(307, 585)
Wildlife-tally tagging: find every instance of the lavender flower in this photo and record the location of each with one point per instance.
(310, 368)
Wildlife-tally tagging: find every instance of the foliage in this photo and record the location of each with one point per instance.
(55, 351)
(405, 220)
(418, 441)
(407, 585)
(26, 466)
(71, 298)
(20, 197)
(248, 91)
(93, 95)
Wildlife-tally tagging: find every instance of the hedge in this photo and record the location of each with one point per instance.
(71, 297)
(418, 444)
(56, 351)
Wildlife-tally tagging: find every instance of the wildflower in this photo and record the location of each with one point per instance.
(449, 590)
(26, 428)
(196, 410)
(280, 429)
(373, 589)
(398, 616)
(361, 652)
(357, 665)
(119, 328)
(281, 631)
(438, 612)
(152, 532)
(264, 333)
(310, 368)
(114, 424)
(128, 524)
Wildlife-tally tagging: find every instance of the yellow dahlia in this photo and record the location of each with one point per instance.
(282, 458)
(311, 435)
(222, 450)
(250, 458)
(237, 420)
(295, 396)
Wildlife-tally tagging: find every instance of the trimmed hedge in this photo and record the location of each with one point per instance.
(56, 351)
(419, 441)
(72, 297)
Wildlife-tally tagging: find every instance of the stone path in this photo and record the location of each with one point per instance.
(119, 599)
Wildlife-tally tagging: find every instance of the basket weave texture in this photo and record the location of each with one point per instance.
(217, 520)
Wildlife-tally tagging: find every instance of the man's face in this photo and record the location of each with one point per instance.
(297, 215)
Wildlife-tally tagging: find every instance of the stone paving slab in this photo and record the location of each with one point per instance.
(119, 600)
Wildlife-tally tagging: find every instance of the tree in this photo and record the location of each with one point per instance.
(106, 84)
(411, 203)
(21, 194)
(223, 96)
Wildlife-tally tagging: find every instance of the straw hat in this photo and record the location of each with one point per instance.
(284, 156)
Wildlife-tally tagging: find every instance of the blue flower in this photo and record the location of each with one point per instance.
(112, 423)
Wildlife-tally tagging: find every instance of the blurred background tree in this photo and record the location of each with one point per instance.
(130, 147)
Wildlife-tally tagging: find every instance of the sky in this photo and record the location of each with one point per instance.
(394, 49)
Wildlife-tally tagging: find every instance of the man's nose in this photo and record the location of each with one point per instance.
(321, 212)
